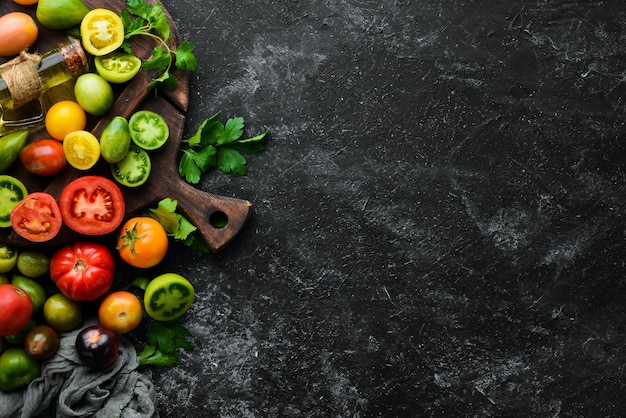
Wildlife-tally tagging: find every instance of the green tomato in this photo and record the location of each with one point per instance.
(117, 67)
(10, 146)
(12, 192)
(33, 263)
(134, 169)
(115, 140)
(168, 297)
(8, 258)
(17, 369)
(93, 93)
(148, 129)
(35, 290)
(60, 14)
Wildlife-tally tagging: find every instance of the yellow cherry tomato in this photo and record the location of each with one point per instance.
(102, 31)
(81, 149)
(64, 117)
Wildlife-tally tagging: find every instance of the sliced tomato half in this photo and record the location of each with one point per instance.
(92, 205)
(37, 217)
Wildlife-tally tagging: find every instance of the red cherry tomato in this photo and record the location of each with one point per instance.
(16, 309)
(44, 157)
(92, 205)
(83, 271)
(37, 217)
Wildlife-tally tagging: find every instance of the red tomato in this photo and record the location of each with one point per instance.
(37, 217)
(92, 205)
(16, 309)
(44, 157)
(83, 271)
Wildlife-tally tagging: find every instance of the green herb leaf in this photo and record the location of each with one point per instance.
(164, 341)
(144, 19)
(217, 145)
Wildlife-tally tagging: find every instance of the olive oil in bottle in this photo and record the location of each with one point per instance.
(25, 78)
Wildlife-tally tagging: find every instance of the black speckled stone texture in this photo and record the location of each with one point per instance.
(438, 218)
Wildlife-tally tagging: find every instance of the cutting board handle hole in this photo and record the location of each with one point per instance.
(218, 219)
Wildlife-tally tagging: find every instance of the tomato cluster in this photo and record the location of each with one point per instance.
(46, 293)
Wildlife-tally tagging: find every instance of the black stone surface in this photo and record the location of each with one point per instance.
(438, 222)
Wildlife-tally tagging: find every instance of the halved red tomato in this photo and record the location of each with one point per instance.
(37, 217)
(92, 205)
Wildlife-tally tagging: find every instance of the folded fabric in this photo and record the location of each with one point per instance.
(80, 391)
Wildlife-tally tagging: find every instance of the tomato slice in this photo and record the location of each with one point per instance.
(117, 67)
(81, 149)
(168, 297)
(92, 205)
(37, 217)
(12, 191)
(134, 169)
(102, 31)
(148, 129)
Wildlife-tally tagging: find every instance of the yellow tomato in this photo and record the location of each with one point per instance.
(102, 31)
(18, 31)
(81, 149)
(64, 117)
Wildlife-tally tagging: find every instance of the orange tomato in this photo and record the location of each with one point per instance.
(120, 311)
(26, 2)
(64, 117)
(18, 31)
(142, 242)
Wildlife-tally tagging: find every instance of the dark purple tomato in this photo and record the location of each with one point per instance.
(97, 346)
(41, 342)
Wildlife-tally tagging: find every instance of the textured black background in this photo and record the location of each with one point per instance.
(438, 220)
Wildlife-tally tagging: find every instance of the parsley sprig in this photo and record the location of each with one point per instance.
(165, 339)
(144, 19)
(176, 225)
(218, 145)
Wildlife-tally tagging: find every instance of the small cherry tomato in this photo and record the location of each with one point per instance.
(102, 31)
(142, 242)
(93, 93)
(18, 31)
(37, 217)
(62, 313)
(168, 297)
(64, 117)
(17, 369)
(25, 2)
(12, 192)
(8, 258)
(148, 129)
(92, 205)
(41, 342)
(44, 157)
(97, 346)
(16, 309)
(81, 149)
(117, 67)
(83, 271)
(120, 311)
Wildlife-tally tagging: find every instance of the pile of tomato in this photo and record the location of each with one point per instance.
(44, 294)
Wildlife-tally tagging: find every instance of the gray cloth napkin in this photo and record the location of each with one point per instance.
(119, 391)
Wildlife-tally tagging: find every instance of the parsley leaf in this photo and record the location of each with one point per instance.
(176, 225)
(218, 145)
(164, 341)
(144, 19)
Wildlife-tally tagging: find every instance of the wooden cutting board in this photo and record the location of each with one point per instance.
(200, 207)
